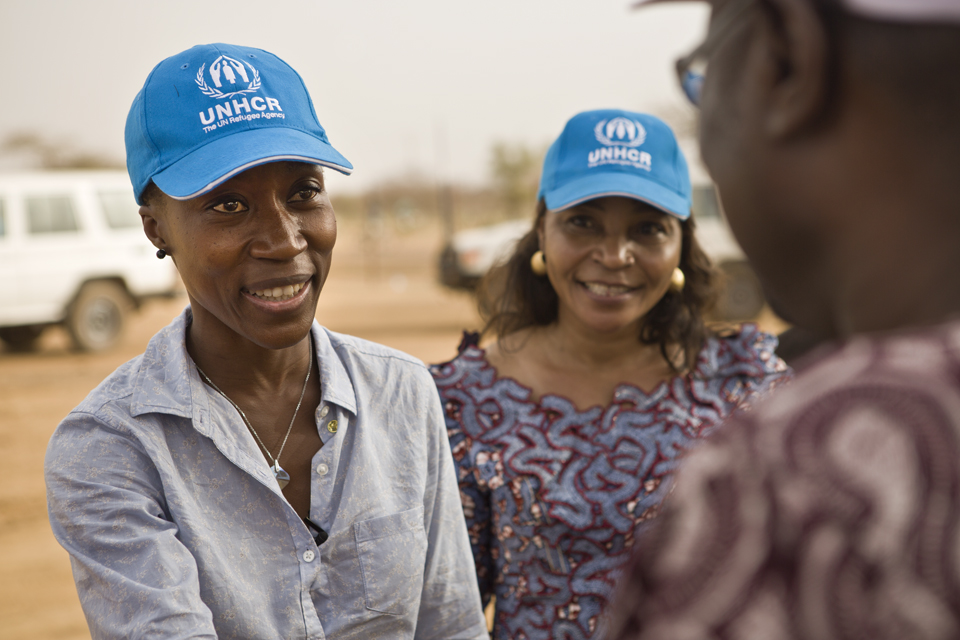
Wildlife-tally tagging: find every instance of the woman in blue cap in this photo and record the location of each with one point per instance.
(567, 428)
(252, 474)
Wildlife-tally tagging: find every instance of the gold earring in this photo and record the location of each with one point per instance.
(677, 280)
(538, 264)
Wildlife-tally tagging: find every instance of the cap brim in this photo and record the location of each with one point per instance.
(628, 186)
(212, 164)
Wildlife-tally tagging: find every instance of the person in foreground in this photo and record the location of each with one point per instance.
(830, 511)
(567, 428)
(252, 474)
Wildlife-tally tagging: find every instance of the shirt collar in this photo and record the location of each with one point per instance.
(164, 381)
(167, 373)
(335, 383)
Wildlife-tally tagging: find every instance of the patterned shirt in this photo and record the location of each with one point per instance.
(830, 512)
(553, 494)
(176, 527)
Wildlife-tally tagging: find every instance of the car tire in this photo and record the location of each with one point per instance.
(741, 297)
(23, 338)
(97, 316)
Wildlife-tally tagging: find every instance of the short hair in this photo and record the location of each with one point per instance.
(511, 297)
(152, 196)
(916, 64)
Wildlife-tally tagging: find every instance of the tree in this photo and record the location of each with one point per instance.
(38, 152)
(516, 176)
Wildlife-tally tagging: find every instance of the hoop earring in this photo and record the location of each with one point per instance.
(538, 264)
(677, 280)
(161, 254)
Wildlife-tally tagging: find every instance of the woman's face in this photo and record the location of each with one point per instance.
(253, 253)
(609, 260)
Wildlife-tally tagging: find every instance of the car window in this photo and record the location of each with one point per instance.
(705, 202)
(50, 214)
(120, 208)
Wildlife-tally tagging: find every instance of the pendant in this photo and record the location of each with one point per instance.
(283, 478)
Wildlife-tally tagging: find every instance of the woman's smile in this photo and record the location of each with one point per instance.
(606, 291)
(279, 298)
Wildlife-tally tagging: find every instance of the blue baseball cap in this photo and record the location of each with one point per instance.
(216, 110)
(611, 152)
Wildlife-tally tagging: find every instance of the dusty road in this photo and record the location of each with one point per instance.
(391, 299)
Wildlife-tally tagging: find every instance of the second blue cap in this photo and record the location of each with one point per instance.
(612, 152)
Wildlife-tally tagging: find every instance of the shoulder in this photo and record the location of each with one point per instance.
(103, 421)
(366, 354)
(129, 403)
(745, 352)
(874, 369)
(873, 423)
(881, 385)
(113, 396)
(470, 365)
(379, 371)
(881, 410)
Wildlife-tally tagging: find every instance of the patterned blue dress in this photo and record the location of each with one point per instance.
(553, 496)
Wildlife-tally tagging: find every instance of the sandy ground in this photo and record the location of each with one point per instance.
(390, 298)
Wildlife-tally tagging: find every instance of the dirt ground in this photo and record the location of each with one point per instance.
(382, 289)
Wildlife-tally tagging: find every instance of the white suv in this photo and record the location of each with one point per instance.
(72, 251)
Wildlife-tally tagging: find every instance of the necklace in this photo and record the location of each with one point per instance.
(283, 478)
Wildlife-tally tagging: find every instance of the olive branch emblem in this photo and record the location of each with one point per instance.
(216, 93)
(641, 134)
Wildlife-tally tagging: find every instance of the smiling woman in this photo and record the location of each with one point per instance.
(245, 247)
(566, 429)
(611, 261)
(252, 474)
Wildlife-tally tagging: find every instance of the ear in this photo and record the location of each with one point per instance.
(796, 76)
(153, 226)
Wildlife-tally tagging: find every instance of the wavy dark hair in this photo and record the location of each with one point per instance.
(511, 297)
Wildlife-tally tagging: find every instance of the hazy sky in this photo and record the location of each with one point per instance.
(401, 86)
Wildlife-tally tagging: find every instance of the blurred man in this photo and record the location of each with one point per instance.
(832, 129)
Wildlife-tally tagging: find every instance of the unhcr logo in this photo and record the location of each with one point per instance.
(226, 72)
(230, 77)
(620, 130)
(621, 137)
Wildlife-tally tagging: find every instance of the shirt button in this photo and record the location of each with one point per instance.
(322, 469)
(332, 426)
(324, 411)
(308, 556)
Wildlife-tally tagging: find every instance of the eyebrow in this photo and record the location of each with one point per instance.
(295, 168)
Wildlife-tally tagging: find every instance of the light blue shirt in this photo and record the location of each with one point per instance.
(176, 527)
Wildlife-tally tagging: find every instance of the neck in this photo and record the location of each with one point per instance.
(239, 366)
(570, 342)
(884, 217)
(904, 278)
(894, 255)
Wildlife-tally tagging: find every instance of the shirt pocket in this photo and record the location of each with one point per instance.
(393, 552)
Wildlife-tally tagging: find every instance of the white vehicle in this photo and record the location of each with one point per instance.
(472, 252)
(73, 252)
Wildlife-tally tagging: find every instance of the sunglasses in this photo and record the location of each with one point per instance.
(692, 68)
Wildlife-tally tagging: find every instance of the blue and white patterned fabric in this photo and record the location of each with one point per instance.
(553, 495)
(176, 527)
